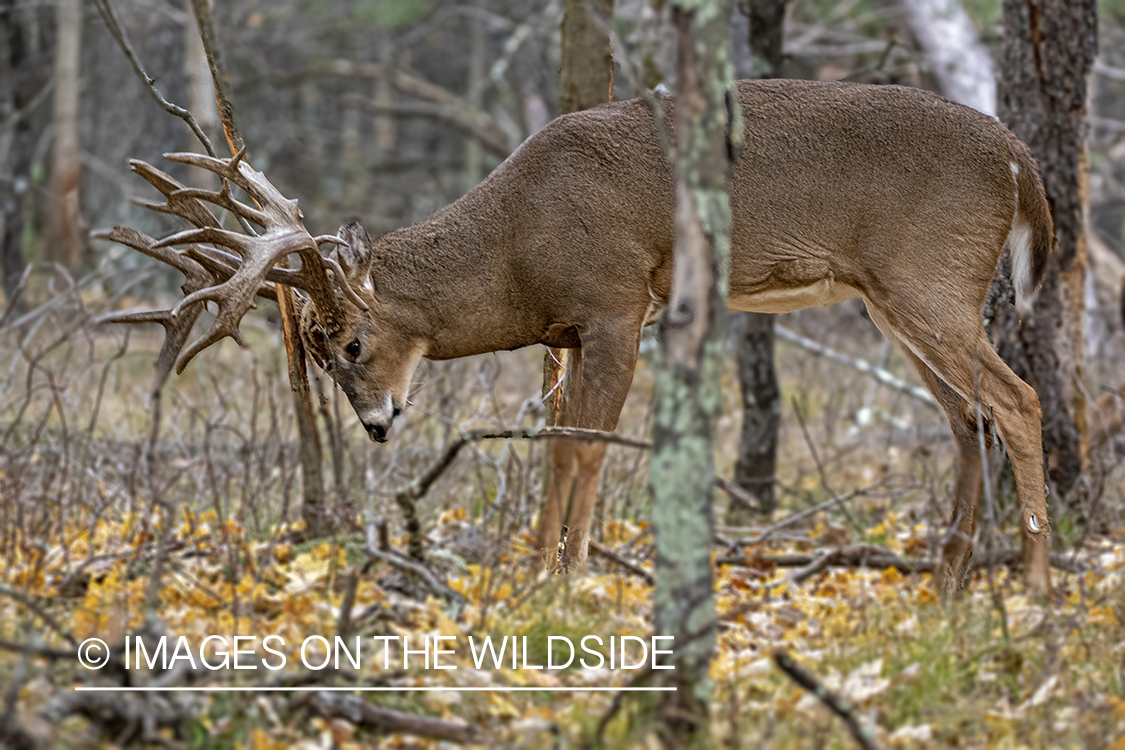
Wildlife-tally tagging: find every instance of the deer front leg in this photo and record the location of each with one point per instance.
(595, 385)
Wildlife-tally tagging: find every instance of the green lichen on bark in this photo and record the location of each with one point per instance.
(688, 393)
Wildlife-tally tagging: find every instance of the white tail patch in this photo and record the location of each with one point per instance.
(1019, 248)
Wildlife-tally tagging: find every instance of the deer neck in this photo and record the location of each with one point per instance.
(443, 281)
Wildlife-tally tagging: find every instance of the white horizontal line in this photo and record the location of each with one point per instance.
(234, 689)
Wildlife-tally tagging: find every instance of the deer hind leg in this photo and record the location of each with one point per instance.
(595, 385)
(957, 350)
(958, 548)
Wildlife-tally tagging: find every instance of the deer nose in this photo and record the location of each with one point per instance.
(377, 432)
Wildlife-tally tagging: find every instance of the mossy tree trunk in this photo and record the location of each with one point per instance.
(761, 397)
(1047, 53)
(687, 393)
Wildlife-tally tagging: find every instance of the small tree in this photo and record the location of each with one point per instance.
(757, 376)
(688, 392)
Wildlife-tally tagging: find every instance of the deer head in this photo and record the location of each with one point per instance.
(355, 351)
(341, 323)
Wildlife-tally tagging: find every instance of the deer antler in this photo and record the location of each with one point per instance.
(230, 279)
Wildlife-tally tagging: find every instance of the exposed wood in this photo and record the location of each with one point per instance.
(312, 476)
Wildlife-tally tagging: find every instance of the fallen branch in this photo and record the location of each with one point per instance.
(438, 588)
(406, 496)
(739, 495)
(837, 705)
(623, 562)
(769, 531)
(874, 556)
(368, 716)
(864, 366)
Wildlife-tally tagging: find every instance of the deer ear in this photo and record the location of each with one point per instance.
(356, 256)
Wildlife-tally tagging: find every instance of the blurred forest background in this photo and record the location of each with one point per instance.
(385, 111)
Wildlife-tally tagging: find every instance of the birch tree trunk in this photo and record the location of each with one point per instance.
(757, 375)
(688, 393)
(585, 80)
(64, 234)
(1046, 57)
(960, 62)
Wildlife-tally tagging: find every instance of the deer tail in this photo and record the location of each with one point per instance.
(1032, 236)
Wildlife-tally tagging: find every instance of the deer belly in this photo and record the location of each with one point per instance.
(787, 299)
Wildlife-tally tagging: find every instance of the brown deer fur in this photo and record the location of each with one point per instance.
(843, 190)
(888, 193)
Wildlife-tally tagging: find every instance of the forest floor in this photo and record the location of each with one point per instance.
(106, 536)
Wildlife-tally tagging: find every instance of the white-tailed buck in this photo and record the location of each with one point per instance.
(887, 193)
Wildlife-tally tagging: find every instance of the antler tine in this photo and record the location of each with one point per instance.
(231, 269)
(223, 199)
(345, 285)
(186, 207)
(142, 243)
(240, 243)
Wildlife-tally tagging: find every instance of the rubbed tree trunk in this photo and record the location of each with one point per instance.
(311, 457)
(757, 375)
(585, 80)
(64, 233)
(688, 388)
(1046, 56)
(201, 96)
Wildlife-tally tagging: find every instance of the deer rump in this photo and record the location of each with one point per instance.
(888, 193)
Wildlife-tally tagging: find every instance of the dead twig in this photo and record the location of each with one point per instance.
(875, 556)
(109, 16)
(406, 496)
(837, 705)
(387, 721)
(438, 588)
(878, 373)
(629, 565)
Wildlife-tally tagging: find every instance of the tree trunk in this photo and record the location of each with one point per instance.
(688, 387)
(961, 64)
(312, 476)
(757, 375)
(1046, 56)
(64, 233)
(474, 155)
(585, 80)
(24, 74)
(761, 414)
(201, 96)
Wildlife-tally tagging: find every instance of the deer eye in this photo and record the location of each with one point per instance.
(352, 349)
